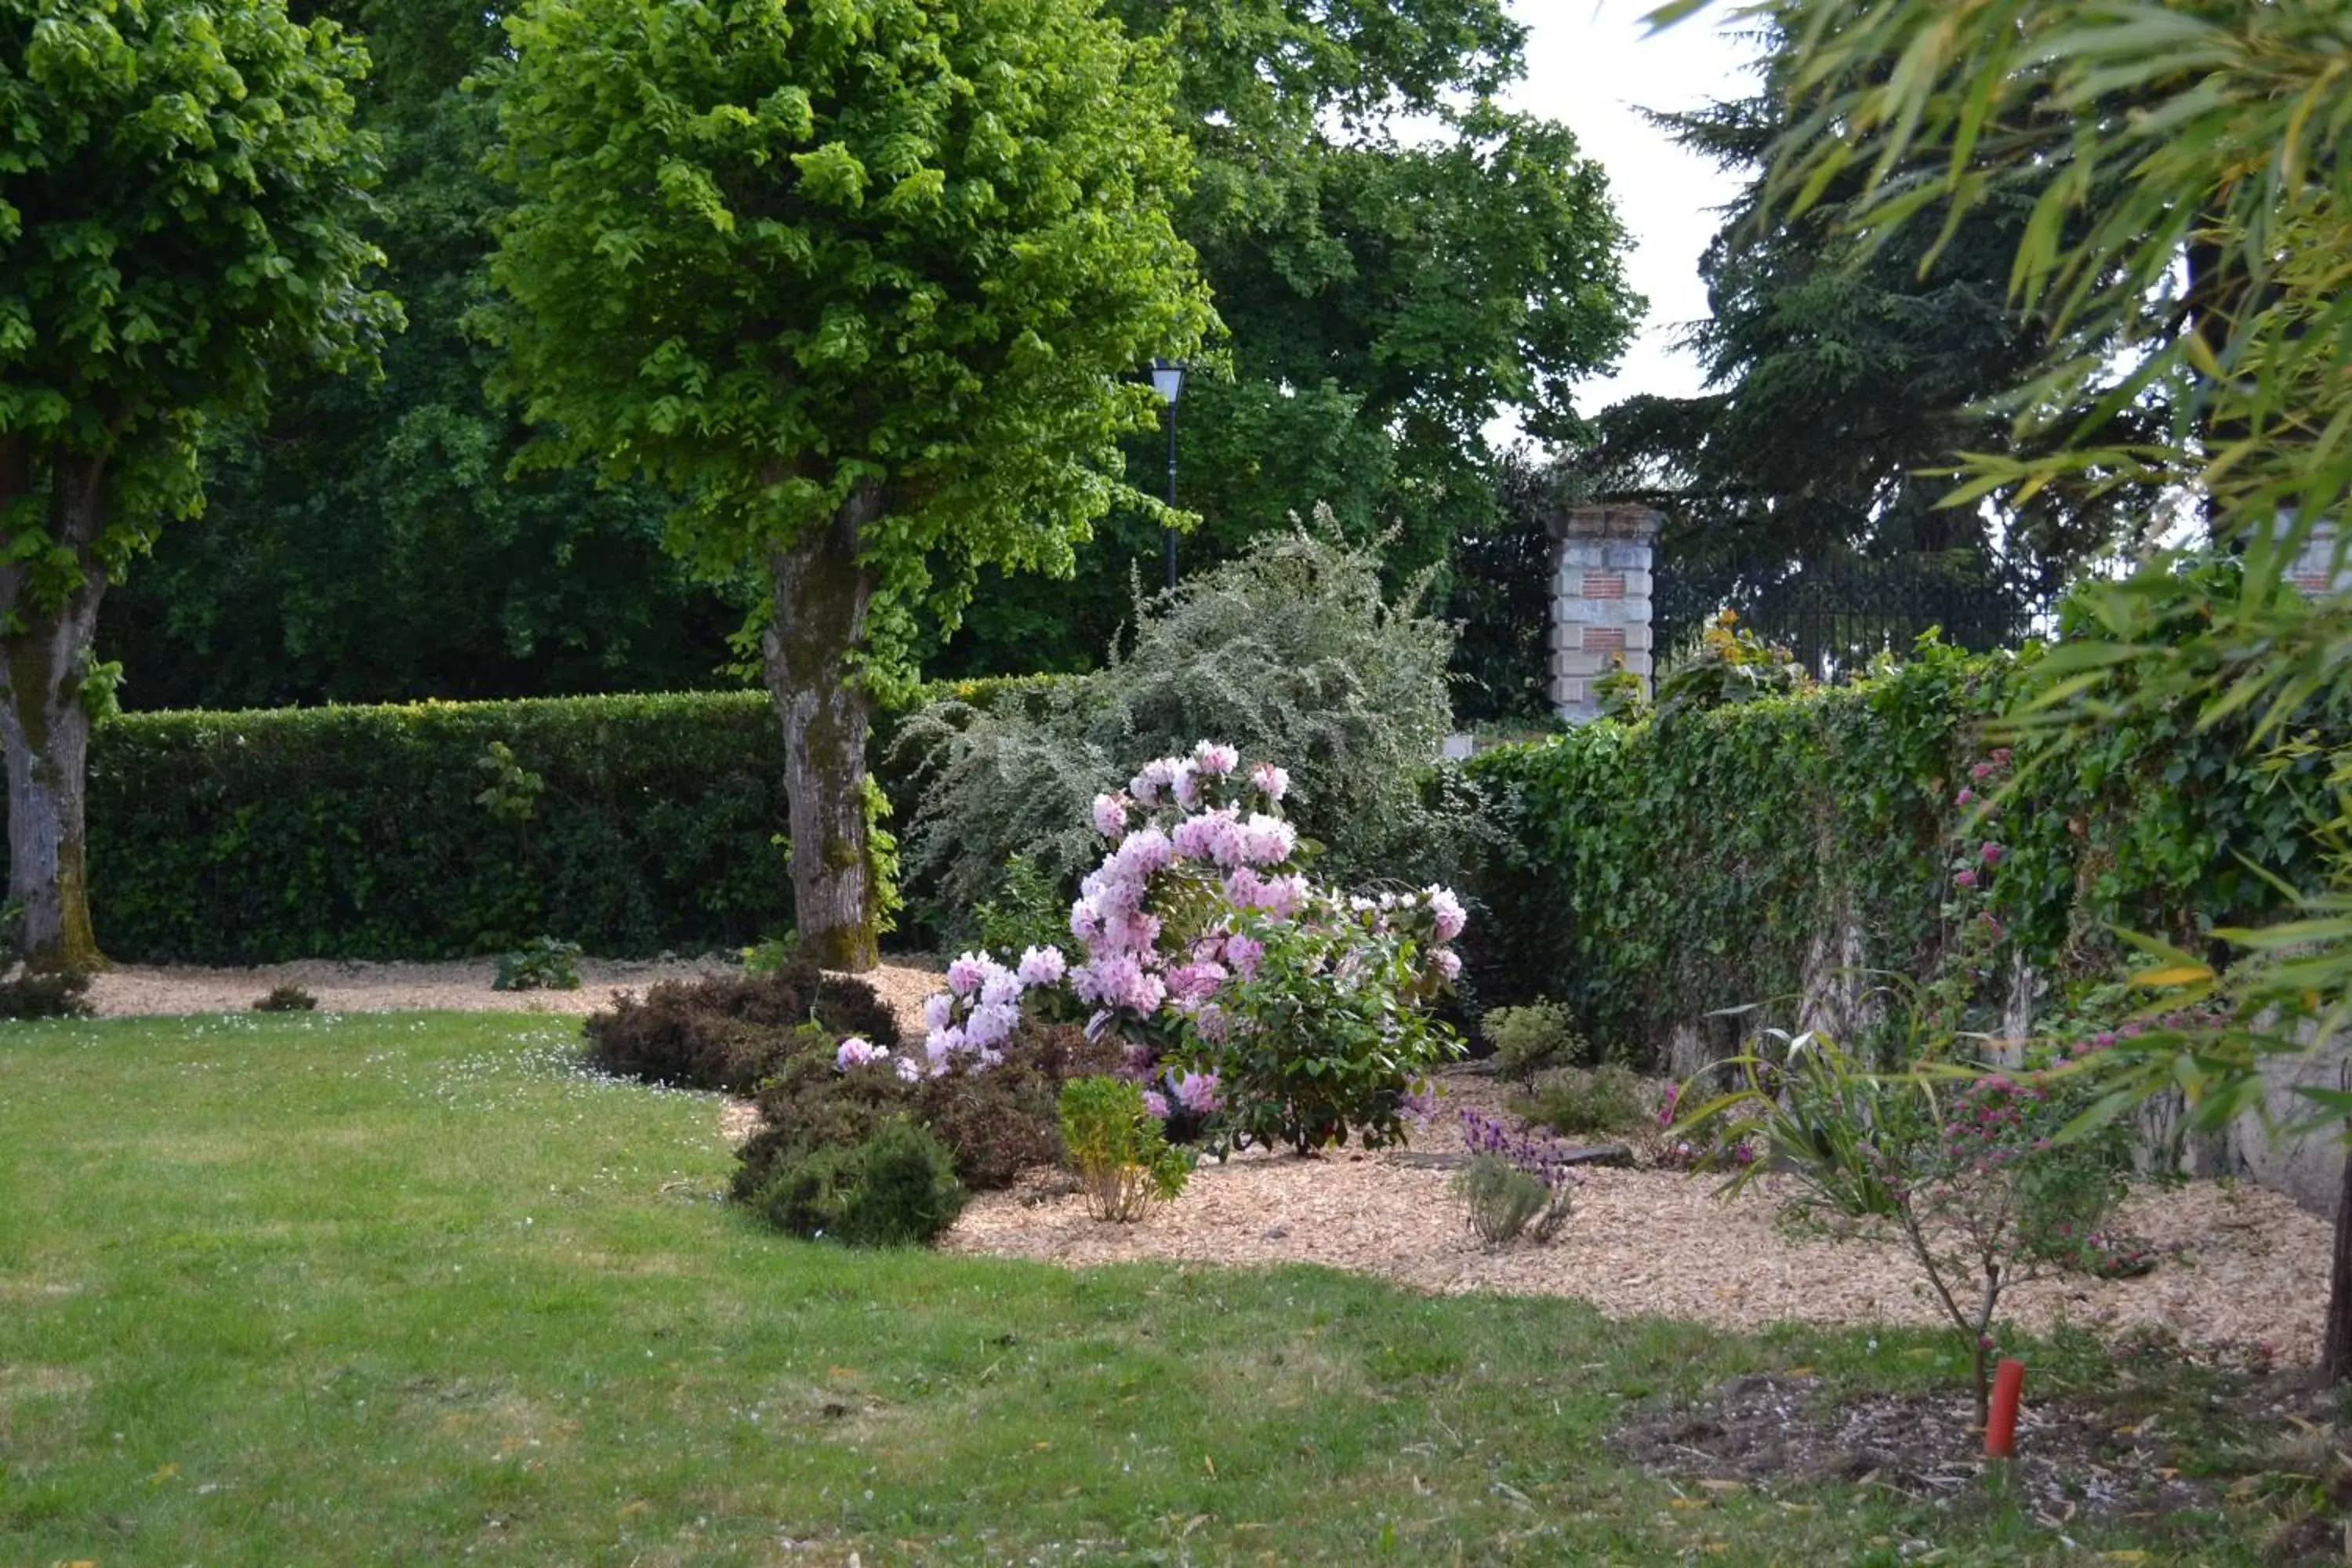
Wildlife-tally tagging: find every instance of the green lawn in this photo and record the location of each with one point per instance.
(299, 1290)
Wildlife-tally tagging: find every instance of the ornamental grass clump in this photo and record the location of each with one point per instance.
(1514, 1184)
(1118, 1150)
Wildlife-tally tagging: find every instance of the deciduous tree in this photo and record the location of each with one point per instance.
(857, 279)
(178, 186)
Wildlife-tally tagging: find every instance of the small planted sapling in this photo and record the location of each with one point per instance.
(1956, 1160)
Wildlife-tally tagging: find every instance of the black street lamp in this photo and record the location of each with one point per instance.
(1168, 380)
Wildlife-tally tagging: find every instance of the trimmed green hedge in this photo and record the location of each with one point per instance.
(361, 832)
(1656, 871)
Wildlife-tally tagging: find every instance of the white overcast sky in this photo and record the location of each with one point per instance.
(1593, 66)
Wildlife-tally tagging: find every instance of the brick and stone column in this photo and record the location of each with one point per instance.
(1600, 600)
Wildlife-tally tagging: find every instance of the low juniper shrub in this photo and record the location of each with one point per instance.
(729, 1032)
(1537, 1036)
(286, 999)
(896, 1188)
(543, 963)
(1578, 1101)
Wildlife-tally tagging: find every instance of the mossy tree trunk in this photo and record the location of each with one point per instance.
(44, 729)
(822, 592)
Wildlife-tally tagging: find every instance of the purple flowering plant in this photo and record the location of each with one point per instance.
(1516, 1181)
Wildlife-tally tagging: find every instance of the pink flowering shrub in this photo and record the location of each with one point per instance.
(1268, 1008)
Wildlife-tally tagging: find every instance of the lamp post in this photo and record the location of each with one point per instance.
(1168, 380)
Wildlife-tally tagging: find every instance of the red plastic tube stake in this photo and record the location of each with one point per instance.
(2000, 1421)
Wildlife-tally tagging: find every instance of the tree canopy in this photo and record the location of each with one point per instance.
(366, 539)
(1845, 381)
(1398, 261)
(178, 195)
(859, 284)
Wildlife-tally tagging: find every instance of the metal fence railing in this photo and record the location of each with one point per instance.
(1836, 615)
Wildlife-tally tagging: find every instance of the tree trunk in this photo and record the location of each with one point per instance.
(2335, 1340)
(44, 729)
(822, 592)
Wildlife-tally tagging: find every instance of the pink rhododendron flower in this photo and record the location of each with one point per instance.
(1449, 963)
(990, 1025)
(907, 1069)
(999, 986)
(939, 1011)
(1148, 785)
(1267, 840)
(1195, 982)
(1043, 966)
(1155, 1105)
(1215, 759)
(1141, 853)
(1282, 896)
(856, 1052)
(1111, 817)
(964, 974)
(1271, 780)
(1185, 785)
(1197, 1092)
(1211, 1024)
(1245, 954)
(1242, 886)
(1447, 909)
(1210, 836)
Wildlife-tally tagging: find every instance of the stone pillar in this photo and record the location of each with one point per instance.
(2318, 569)
(1600, 600)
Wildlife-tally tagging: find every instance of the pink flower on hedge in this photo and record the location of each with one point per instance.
(1981, 772)
(2000, 755)
(1185, 785)
(1991, 854)
(1449, 963)
(1271, 780)
(964, 974)
(939, 1011)
(1043, 966)
(1211, 1024)
(1966, 880)
(1964, 797)
(1155, 1105)
(856, 1052)
(1215, 759)
(1245, 954)
(1110, 815)
(906, 1068)
(990, 1025)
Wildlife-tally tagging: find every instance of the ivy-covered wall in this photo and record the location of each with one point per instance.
(625, 824)
(1656, 871)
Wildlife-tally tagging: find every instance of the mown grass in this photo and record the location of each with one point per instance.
(393, 1289)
